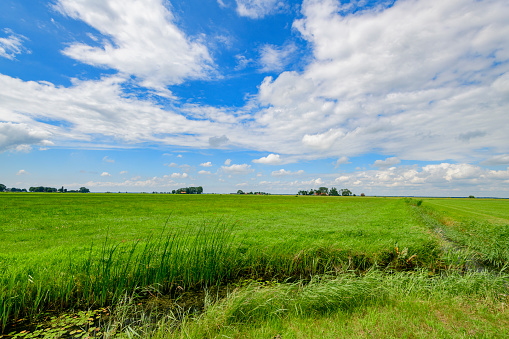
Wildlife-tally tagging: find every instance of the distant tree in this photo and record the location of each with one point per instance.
(323, 190)
(333, 191)
(61, 189)
(363, 195)
(14, 189)
(471, 197)
(84, 190)
(240, 192)
(2, 188)
(346, 192)
(303, 192)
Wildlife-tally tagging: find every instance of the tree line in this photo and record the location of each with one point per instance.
(43, 189)
(345, 192)
(188, 190)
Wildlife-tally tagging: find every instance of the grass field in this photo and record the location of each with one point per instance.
(77, 251)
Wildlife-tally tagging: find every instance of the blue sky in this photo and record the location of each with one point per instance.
(407, 97)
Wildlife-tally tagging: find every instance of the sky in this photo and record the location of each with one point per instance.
(389, 97)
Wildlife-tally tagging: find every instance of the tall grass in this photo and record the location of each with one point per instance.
(260, 305)
(174, 260)
(171, 260)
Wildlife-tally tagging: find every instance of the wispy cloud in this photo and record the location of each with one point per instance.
(256, 9)
(275, 58)
(12, 44)
(237, 169)
(106, 159)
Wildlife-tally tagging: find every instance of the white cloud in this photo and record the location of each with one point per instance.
(237, 169)
(179, 156)
(221, 4)
(387, 162)
(179, 175)
(136, 183)
(242, 62)
(206, 164)
(256, 9)
(172, 165)
(204, 172)
(143, 41)
(283, 172)
(342, 161)
(419, 79)
(106, 159)
(271, 159)
(19, 136)
(228, 162)
(11, 45)
(123, 172)
(274, 58)
(436, 179)
(22, 172)
(423, 80)
(105, 174)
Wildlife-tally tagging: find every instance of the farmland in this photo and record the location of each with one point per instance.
(318, 256)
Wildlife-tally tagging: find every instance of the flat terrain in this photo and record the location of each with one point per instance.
(65, 252)
(38, 225)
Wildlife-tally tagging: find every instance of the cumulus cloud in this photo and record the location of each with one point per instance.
(204, 172)
(256, 9)
(419, 80)
(105, 174)
(11, 45)
(397, 80)
(237, 169)
(274, 58)
(228, 162)
(22, 172)
(123, 172)
(435, 179)
(387, 162)
(143, 40)
(206, 164)
(19, 136)
(271, 159)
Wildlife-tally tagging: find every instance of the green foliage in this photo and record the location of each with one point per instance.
(2, 187)
(189, 190)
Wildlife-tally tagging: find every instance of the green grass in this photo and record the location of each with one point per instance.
(77, 251)
(480, 225)
(404, 305)
(87, 249)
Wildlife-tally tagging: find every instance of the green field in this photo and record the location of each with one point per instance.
(64, 252)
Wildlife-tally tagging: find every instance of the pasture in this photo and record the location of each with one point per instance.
(72, 252)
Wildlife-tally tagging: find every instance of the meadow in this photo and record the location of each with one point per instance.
(282, 260)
